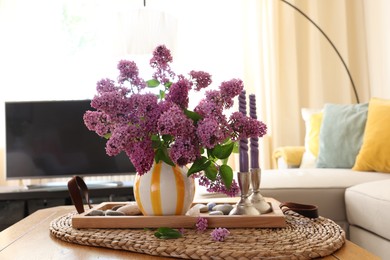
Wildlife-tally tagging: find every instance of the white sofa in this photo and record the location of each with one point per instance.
(344, 168)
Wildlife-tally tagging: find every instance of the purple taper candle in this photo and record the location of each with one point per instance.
(243, 151)
(254, 146)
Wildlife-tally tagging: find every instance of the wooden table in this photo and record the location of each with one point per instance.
(30, 239)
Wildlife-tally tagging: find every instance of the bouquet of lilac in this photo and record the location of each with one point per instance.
(161, 126)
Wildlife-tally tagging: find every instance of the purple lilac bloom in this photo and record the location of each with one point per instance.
(217, 186)
(202, 79)
(206, 108)
(114, 105)
(144, 111)
(184, 151)
(219, 234)
(210, 133)
(128, 71)
(105, 85)
(215, 97)
(178, 93)
(97, 121)
(246, 127)
(141, 155)
(165, 105)
(229, 90)
(160, 61)
(182, 231)
(122, 137)
(174, 122)
(201, 224)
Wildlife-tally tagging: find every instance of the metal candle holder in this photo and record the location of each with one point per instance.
(244, 205)
(256, 198)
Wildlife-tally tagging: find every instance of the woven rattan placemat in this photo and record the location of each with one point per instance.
(303, 238)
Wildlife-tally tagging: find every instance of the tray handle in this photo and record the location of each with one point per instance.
(309, 211)
(76, 186)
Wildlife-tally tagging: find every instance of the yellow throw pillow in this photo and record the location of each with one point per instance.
(313, 120)
(374, 155)
(314, 133)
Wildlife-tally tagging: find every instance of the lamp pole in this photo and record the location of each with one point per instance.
(331, 43)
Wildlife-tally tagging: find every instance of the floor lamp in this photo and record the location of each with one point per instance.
(331, 43)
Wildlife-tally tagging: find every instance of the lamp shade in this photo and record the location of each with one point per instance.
(145, 28)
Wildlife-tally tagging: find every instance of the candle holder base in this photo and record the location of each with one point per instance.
(244, 205)
(256, 198)
(259, 203)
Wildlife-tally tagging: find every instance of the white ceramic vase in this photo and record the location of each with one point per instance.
(164, 190)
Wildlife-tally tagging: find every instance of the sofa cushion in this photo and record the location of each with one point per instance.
(312, 119)
(374, 154)
(341, 135)
(368, 206)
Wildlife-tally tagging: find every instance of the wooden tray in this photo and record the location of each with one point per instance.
(269, 220)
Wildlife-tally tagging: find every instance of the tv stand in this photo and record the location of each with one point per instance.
(19, 202)
(64, 185)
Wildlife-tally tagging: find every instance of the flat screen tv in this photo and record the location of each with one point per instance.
(48, 139)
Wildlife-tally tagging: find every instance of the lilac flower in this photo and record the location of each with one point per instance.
(215, 97)
(210, 133)
(207, 108)
(246, 127)
(219, 234)
(144, 111)
(178, 93)
(184, 151)
(97, 121)
(174, 122)
(105, 85)
(229, 90)
(141, 155)
(160, 61)
(129, 72)
(201, 224)
(218, 186)
(123, 137)
(113, 104)
(202, 79)
(182, 231)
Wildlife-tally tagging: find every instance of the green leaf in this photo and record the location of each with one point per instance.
(167, 138)
(161, 154)
(211, 172)
(168, 85)
(222, 151)
(107, 136)
(236, 148)
(199, 165)
(156, 141)
(167, 233)
(162, 94)
(192, 115)
(226, 174)
(152, 83)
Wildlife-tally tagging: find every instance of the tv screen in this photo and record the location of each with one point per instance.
(46, 139)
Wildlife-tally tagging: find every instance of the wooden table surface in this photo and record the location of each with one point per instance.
(30, 239)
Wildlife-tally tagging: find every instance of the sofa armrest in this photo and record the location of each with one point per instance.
(288, 156)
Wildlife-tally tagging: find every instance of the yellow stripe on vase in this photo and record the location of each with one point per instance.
(137, 195)
(155, 190)
(180, 189)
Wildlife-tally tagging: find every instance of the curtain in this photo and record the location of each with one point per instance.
(295, 66)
